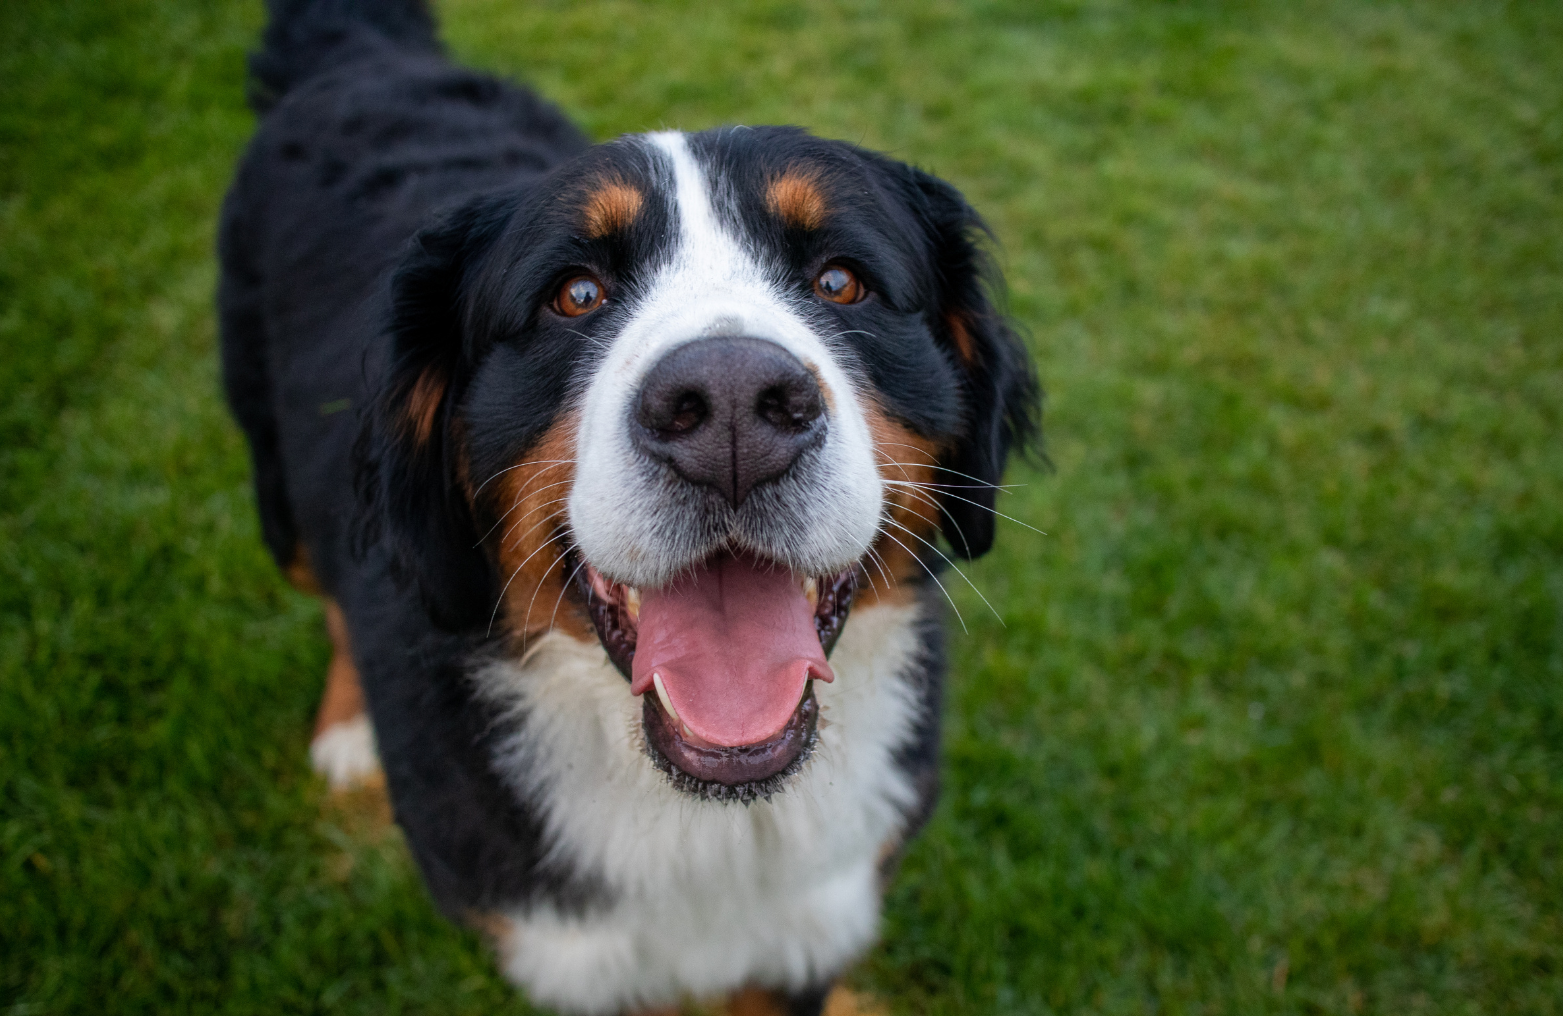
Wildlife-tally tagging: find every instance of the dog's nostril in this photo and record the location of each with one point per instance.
(789, 406)
(688, 413)
(670, 411)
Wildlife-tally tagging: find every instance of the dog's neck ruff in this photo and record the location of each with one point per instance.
(704, 897)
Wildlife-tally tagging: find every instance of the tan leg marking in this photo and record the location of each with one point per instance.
(842, 1001)
(343, 699)
(755, 1002)
(497, 928)
(846, 1002)
(343, 748)
(300, 573)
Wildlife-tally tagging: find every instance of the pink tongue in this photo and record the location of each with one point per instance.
(734, 644)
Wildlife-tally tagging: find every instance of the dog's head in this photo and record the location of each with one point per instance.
(688, 396)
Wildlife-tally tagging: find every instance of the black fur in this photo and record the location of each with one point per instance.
(1003, 399)
(429, 528)
(919, 244)
(399, 222)
(305, 37)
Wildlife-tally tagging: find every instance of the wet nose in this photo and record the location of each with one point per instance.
(729, 413)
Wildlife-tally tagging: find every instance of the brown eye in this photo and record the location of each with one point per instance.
(580, 295)
(838, 285)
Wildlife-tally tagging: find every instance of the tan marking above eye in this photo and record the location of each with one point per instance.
(839, 285)
(795, 197)
(611, 208)
(580, 294)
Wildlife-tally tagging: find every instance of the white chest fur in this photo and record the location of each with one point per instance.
(708, 896)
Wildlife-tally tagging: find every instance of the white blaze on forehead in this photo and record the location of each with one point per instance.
(713, 284)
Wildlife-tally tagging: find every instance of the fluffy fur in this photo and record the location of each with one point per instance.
(701, 895)
(443, 453)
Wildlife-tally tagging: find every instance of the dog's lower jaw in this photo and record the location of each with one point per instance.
(703, 898)
(726, 774)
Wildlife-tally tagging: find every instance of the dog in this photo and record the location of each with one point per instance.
(621, 468)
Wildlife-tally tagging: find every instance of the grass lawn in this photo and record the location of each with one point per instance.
(1272, 721)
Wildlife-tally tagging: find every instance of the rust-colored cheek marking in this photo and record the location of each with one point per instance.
(908, 463)
(423, 404)
(611, 207)
(795, 197)
(960, 335)
(528, 542)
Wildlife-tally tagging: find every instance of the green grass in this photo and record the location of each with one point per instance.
(1274, 719)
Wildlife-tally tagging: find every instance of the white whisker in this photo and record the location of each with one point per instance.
(947, 561)
(948, 598)
(974, 504)
(884, 572)
(534, 511)
(519, 465)
(513, 574)
(560, 598)
(915, 491)
(516, 505)
(955, 486)
(526, 619)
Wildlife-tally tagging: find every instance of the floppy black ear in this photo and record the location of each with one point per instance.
(412, 483)
(1002, 398)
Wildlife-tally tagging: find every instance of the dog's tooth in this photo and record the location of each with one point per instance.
(632, 603)
(662, 693)
(689, 735)
(811, 591)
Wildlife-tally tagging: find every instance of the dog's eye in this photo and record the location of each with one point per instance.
(580, 295)
(838, 285)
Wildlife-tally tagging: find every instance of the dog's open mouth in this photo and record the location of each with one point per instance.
(725, 658)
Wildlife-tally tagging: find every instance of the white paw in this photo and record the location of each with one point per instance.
(344, 753)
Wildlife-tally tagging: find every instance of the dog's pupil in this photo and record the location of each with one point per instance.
(583, 292)
(833, 281)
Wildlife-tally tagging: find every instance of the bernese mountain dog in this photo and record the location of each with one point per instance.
(621, 468)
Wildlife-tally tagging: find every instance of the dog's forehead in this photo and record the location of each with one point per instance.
(779, 177)
(746, 177)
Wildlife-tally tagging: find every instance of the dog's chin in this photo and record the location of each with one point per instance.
(743, 773)
(719, 758)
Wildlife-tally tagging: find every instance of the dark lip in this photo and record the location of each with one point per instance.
(747, 772)
(743, 773)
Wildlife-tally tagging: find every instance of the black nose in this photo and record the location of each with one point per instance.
(729, 413)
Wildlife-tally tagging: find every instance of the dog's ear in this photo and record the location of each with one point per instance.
(412, 483)
(1002, 398)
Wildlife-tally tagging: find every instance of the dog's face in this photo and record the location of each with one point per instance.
(689, 397)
